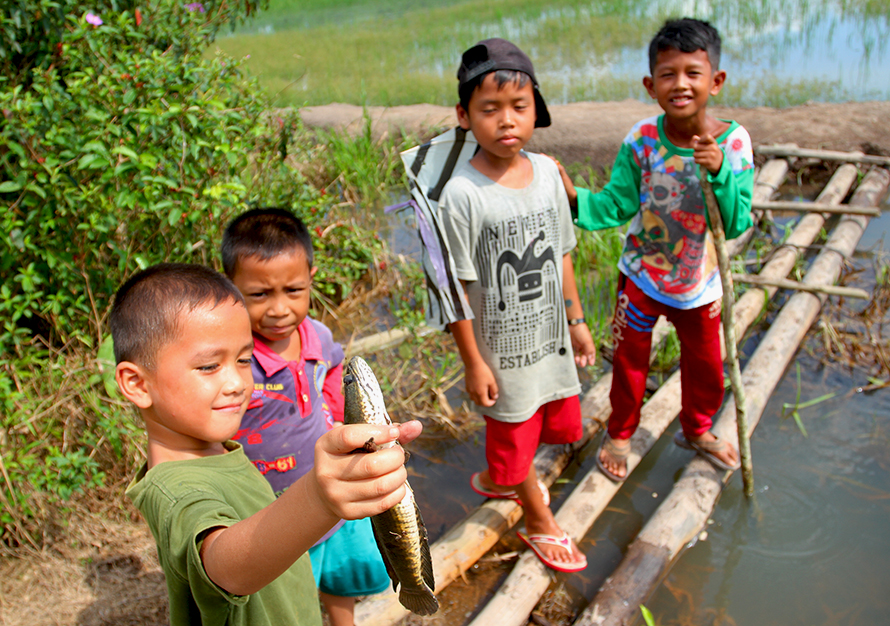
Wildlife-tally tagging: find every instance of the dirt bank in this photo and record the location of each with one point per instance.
(594, 130)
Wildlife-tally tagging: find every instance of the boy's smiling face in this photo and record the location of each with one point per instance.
(502, 118)
(199, 389)
(682, 82)
(277, 294)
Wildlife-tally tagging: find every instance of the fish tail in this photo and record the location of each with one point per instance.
(419, 601)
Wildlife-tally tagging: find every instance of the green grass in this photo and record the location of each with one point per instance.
(394, 58)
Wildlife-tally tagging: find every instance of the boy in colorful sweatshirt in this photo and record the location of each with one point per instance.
(669, 263)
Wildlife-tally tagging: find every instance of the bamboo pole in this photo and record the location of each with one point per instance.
(824, 155)
(820, 207)
(781, 283)
(687, 508)
(728, 319)
(516, 598)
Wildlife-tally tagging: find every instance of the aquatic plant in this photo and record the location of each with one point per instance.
(792, 409)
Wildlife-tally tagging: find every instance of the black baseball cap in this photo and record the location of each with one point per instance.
(492, 55)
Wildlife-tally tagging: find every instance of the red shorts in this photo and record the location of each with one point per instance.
(510, 446)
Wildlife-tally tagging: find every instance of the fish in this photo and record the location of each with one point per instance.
(400, 533)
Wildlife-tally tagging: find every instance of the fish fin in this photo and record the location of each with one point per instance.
(384, 554)
(419, 601)
(426, 559)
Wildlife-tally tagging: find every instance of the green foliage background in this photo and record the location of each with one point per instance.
(121, 146)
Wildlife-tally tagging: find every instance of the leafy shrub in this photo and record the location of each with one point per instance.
(121, 146)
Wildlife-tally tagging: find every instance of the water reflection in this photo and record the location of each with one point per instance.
(776, 53)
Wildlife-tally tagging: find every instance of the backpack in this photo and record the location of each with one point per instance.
(428, 168)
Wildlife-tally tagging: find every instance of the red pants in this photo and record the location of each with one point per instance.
(701, 367)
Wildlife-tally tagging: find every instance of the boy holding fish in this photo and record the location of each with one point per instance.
(669, 263)
(297, 396)
(231, 552)
(506, 217)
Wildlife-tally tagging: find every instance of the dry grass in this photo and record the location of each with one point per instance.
(99, 568)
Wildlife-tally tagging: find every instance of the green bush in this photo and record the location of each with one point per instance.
(121, 146)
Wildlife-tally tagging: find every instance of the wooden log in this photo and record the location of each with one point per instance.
(529, 579)
(805, 232)
(766, 184)
(463, 545)
(820, 207)
(781, 283)
(824, 155)
(685, 511)
(386, 339)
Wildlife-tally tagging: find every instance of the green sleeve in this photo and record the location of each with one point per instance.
(619, 200)
(733, 192)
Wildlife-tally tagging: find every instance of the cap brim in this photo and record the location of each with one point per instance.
(542, 114)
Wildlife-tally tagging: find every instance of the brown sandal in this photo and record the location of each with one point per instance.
(619, 453)
(707, 450)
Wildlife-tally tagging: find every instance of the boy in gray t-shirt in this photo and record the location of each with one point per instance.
(507, 220)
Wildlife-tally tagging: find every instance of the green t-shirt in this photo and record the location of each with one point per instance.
(181, 500)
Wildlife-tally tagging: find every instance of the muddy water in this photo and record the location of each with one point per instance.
(811, 548)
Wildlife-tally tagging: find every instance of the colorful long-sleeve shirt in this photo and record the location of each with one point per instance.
(669, 253)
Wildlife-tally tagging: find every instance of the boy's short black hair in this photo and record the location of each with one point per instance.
(148, 308)
(686, 35)
(263, 233)
(508, 63)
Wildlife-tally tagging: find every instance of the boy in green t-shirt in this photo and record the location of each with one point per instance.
(231, 552)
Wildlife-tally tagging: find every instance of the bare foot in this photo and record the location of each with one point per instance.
(613, 455)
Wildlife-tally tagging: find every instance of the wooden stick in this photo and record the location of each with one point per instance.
(824, 155)
(732, 354)
(781, 283)
(783, 205)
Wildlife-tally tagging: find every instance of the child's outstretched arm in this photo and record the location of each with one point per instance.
(582, 342)
(616, 204)
(245, 557)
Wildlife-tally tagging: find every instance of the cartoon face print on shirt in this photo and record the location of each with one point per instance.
(674, 229)
(522, 286)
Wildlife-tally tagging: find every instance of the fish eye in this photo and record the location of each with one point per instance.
(348, 379)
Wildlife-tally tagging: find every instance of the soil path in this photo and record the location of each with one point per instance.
(592, 131)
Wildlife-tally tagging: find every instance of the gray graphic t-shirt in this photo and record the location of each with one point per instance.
(508, 246)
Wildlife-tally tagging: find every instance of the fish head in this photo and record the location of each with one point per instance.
(361, 391)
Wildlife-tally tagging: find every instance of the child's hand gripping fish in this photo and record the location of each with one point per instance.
(400, 533)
